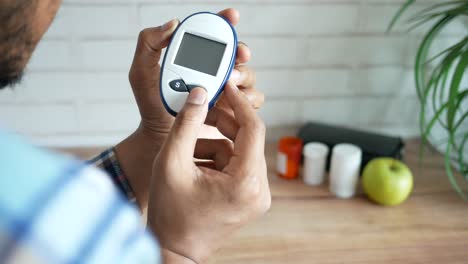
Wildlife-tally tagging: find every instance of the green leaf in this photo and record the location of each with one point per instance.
(441, 71)
(421, 56)
(461, 153)
(448, 62)
(419, 20)
(460, 9)
(460, 97)
(443, 141)
(448, 170)
(459, 45)
(436, 116)
(419, 73)
(441, 86)
(460, 121)
(399, 13)
(438, 5)
(454, 88)
(442, 82)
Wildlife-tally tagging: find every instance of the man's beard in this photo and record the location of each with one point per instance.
(10, 72)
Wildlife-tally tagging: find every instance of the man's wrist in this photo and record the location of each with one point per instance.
(154, 135)
(136, 154)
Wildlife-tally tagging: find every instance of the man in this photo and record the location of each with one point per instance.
(56, 210)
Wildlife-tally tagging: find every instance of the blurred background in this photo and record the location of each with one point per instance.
(316, 60)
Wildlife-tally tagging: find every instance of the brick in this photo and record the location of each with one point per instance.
(105, 86)
(277, 52)
(303, 82)
(8, 94)
(362, 50)
(386, 80)
(71, 86)
(39, 119)
(226, 2)
(51, 54)
(108, 55)
(108, 117)
(48, 87)
(100, 2)
(298, 19)
(94, 139)
(377, 17)
(362, 110)
(258, 19)
(155, 15)
(396, 2)
(280, 112)
(395, 130)
(94, 21)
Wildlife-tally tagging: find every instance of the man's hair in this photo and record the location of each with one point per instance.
(16, 40)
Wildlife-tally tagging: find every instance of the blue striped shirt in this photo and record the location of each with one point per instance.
(55, 209)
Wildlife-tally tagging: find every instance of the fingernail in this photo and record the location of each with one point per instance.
(243, 43)
(167, 25)
(235, 75)
(197, 96)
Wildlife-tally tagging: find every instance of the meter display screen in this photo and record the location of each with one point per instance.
(200, 54)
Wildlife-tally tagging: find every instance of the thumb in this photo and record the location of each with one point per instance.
(187, 125)
(145, 70)
(151, 41)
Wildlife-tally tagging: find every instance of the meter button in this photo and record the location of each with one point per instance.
(178, 85)
(190, 87)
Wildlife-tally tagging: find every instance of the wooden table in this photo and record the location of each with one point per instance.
(308, 225)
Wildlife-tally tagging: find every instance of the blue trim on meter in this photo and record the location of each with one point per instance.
(226, 77)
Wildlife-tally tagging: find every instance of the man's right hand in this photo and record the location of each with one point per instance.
(193, 206)
(137, 152)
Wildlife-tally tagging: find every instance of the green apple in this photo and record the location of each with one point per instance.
(387, 181)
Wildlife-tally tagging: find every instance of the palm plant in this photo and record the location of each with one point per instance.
(438, 77)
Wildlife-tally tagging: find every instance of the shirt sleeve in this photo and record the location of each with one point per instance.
(57, 210)
(108, 162)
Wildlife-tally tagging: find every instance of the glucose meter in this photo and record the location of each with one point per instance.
(201, 53)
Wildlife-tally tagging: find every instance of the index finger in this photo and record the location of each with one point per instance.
(250, 139)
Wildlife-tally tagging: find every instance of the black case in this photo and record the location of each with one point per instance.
(372, 145)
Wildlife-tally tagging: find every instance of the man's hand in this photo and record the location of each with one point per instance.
(193, 206)
(137, 152)
(145, 72)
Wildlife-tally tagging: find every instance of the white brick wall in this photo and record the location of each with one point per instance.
(319, 60)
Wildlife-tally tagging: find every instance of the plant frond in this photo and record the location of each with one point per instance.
(454, 88)
(448, 170)
(461, 9)
(461, 153)
(399, 13)
(461, 44)
(442, 83)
